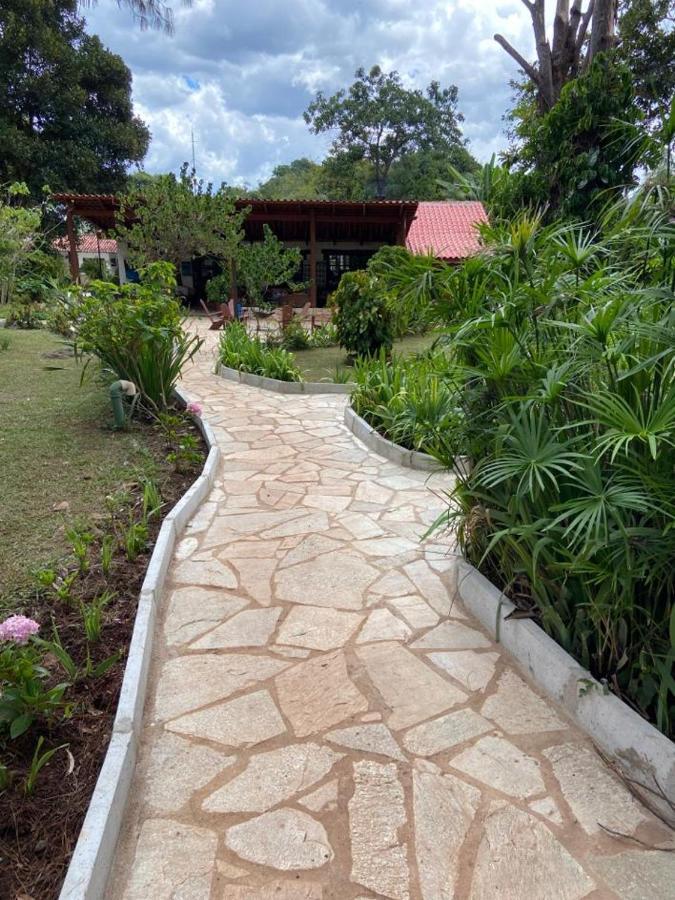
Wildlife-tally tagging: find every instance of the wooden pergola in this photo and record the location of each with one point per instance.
(313, 222)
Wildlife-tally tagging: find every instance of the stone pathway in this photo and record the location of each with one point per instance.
(324, 722)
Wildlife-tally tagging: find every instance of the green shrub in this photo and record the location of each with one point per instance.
(324, 336)
(136, 332)
(565, 379)
(240, 351)
(410, 401)
(363, 316)
(218, 288)
(295, 336)
(23, 313)
(97, 270)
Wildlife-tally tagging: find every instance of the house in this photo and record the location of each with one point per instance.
(92, 246)
(333, 236)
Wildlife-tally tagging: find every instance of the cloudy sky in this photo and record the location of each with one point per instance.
(241, 72)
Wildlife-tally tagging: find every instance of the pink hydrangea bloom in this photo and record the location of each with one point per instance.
(18, 629)
(194, 408)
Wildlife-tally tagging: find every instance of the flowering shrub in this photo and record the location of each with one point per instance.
(24, 696)
(18, 629)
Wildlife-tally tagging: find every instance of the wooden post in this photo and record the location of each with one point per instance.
(402, 231)
(312, 259)
(72, 245)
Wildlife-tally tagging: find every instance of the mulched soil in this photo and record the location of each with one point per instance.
(38, 832)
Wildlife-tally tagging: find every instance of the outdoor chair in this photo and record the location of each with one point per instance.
(217, 319)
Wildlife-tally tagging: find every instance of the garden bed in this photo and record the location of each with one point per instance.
(374, 441)
(282, 387)
(39, 829)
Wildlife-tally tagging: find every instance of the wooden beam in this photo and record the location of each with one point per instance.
(72, 245)
(271, 218)
(312, 259)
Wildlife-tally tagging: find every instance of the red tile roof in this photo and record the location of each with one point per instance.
(88, 244)
(446, 228)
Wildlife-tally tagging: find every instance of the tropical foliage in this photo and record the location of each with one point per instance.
(561, 390)
(136, 332)
(411, 401)
(238, 350)
(363, 315)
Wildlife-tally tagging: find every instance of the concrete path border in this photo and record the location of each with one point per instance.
(374, 441)
(283, 387)
(92, 858)
(644, 755)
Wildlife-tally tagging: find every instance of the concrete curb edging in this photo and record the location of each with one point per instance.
(282, 387)
(644, 755)
(411, 459)
(92, 858)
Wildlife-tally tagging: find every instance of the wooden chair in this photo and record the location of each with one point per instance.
(217, 320)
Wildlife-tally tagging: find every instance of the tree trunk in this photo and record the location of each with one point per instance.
(562, 59)
(602, 29)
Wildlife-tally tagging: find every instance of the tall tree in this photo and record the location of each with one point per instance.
(66, 119)
(176, 219)
(578, 36)
(646, 33)
(379, 120)
(297, 180)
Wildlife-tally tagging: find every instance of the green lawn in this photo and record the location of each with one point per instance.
(320, 365)
(55, 448)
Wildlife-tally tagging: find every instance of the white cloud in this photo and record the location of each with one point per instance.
(241, 74)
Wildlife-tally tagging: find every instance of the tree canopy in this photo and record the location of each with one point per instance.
(646, 32)
(297, 180)
(378, 120)
(66, 118)
(173, 219)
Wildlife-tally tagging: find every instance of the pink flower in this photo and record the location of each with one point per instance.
(18, 629)
(194, 408)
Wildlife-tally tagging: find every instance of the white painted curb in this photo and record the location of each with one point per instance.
(643, 754)
(92, 858)
(411, 459)
(282, 387)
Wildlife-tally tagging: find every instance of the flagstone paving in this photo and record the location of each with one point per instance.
(324, 720)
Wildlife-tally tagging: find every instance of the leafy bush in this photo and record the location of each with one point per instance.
(218, 288)
(24, 314)
(410, 401)
(324, 336)
(136, 332)
(240, 351)
(363, 316)
(565, 379)
(295, 336)
(97, 270)
(265, 264)
(25, 692)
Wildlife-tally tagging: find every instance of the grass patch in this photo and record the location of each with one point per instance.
(320, 364)
(55, 448)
